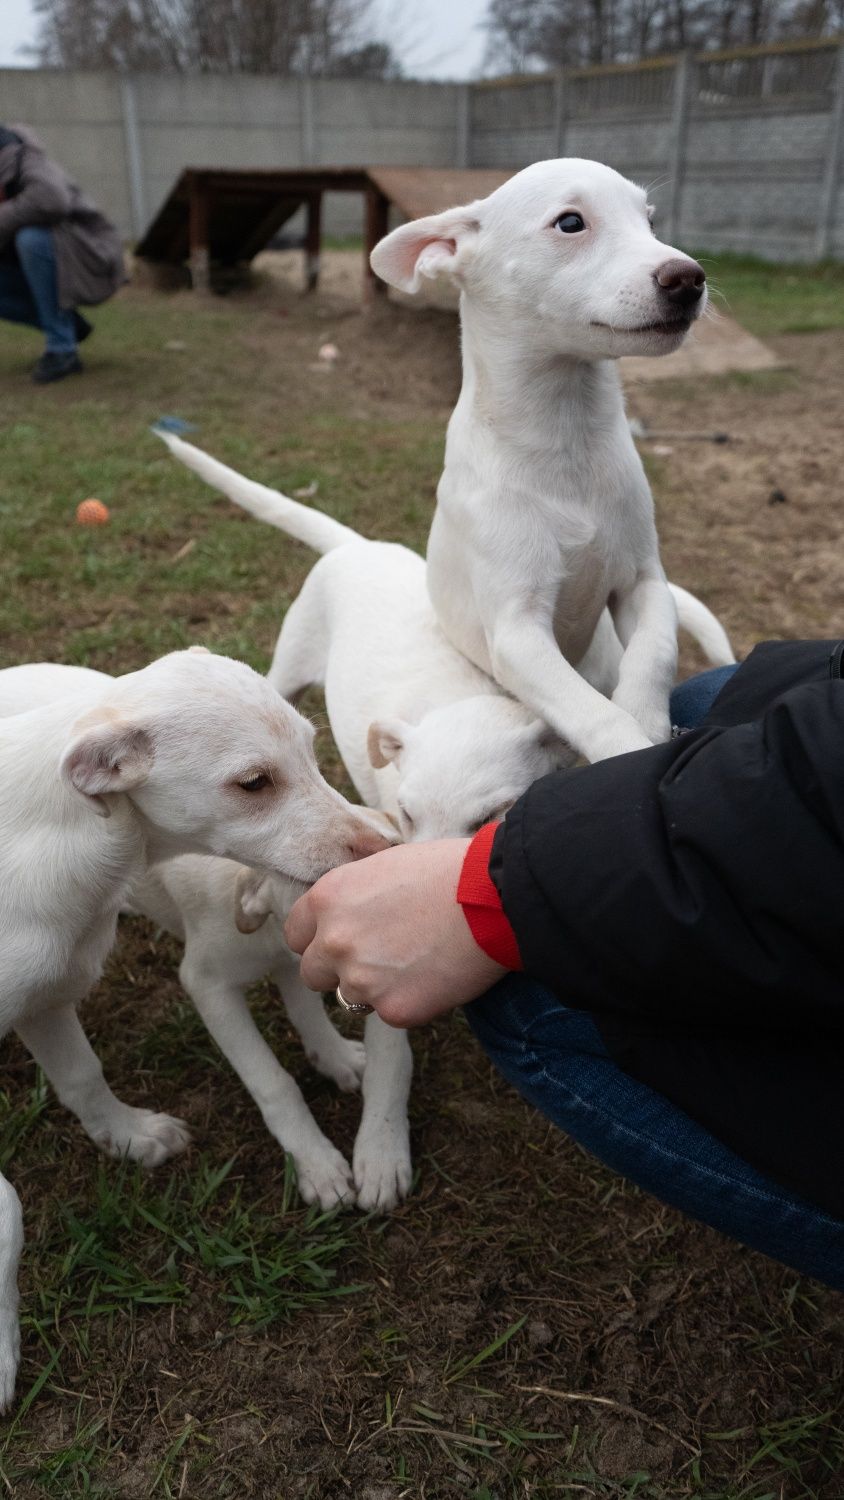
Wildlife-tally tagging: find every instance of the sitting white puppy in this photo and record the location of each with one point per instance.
(544, 515)
(193, 753)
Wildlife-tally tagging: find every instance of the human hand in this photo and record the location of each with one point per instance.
(389, 931)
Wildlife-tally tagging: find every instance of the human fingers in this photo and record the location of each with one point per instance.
(301, 925)
(318, 969)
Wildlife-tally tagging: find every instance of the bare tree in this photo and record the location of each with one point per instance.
(525, 35)
(322, 37)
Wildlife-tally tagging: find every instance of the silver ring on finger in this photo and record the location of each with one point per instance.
(354, 1007)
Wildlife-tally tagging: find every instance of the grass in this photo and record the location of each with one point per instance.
(125, 1243)
(125, 594)
(528, 1324)
(769, 299)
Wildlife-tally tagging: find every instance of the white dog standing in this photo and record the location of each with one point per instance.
(195, 752)
(424, 734)
(216, 908)
(544, 514)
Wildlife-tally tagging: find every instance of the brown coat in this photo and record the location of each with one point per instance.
(36, 190)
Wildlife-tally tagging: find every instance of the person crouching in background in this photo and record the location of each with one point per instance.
(57, 251)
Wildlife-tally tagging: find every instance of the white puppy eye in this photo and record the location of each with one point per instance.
(255, 783)
(570, 223)
(405, 819)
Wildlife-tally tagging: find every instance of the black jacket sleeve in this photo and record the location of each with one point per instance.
(698, 884)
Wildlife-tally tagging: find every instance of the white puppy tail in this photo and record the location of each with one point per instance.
(307, 525)
(702, 624)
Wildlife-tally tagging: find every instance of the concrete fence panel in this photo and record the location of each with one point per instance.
(740, 150)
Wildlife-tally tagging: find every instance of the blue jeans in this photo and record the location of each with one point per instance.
(692, 700)
(29, 290)
(556, 1058)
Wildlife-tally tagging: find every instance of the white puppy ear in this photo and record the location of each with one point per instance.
(107, 756)
(439, 245)
(252, 899)
(385, 741)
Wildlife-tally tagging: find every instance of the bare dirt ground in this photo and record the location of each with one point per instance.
(647, 1356)
(757, 523)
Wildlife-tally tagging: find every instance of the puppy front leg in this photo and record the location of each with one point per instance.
(323, 1175)
(57, 1042)
(11, 1244)
(336, 1057)
(382, 1149)
(646, 622)
(527, 661)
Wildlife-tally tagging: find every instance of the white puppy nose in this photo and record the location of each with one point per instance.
(682, 280)
(367, 842)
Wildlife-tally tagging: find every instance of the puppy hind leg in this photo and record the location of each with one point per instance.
(11, 1244)
(57, 1042)
(300, 651)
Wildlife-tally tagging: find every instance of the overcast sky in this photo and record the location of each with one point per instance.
(443, 40)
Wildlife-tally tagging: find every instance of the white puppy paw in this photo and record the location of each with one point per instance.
(142, 1136)
(383, 1170)
(341, 1060)
(325, 1178)
(657, 726)
(651, 716)
(10, 1349)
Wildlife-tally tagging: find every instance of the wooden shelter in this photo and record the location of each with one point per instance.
(223, 216)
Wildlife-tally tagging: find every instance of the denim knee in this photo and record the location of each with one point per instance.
(518, 1014)
(34, 239)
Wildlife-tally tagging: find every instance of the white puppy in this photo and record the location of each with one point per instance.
(195, 752)
(425, 735)
(213, 905)
(544, 515)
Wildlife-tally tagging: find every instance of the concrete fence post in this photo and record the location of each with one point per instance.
(134, 159)
(560, 115)
(307, 122)
(831, 182)
(684, 71)
(463, 147)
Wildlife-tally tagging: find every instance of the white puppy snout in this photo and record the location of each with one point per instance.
(681, 281)
(366, 840)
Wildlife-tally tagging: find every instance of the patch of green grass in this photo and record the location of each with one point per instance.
(126, 1244)
(770, 299)
(70, 1468)
(118, 595)
(136, 1245)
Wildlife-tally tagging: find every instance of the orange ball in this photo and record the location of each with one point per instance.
(92, 513)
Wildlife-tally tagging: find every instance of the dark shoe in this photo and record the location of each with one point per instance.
(84, 329)
(52, 367)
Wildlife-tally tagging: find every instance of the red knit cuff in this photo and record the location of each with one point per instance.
(481, 903)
